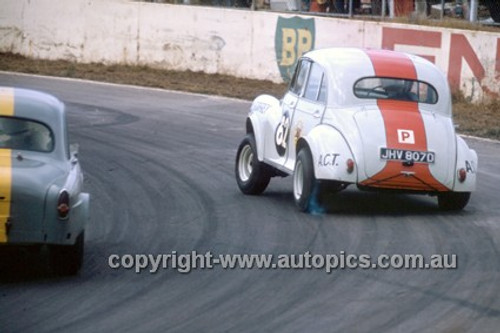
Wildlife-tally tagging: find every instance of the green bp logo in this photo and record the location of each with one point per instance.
(294, 36)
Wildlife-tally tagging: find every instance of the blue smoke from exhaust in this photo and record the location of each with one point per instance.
(315, 207)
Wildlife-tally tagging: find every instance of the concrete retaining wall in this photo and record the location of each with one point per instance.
(249, 44)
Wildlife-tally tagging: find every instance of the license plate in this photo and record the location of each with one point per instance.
(407, 155)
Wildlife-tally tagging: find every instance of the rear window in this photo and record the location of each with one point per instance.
(397, 89)
(24, 134)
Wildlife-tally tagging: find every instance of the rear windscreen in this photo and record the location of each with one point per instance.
(24, 134)
(397, 89)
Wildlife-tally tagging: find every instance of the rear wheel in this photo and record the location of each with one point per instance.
(305, 187)
(252, 175)
(450, 201)
(67, 259)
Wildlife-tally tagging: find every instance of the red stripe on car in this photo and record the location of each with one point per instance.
(401, 115)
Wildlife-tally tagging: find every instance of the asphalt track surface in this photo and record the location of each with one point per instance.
(159, 168)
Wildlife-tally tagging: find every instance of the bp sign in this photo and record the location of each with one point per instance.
(294, 36)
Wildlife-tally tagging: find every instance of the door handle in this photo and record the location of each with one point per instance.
(317, 114)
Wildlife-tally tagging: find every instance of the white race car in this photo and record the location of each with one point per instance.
(375, 118)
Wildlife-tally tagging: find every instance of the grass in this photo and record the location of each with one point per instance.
(213, 84)
(481, 119)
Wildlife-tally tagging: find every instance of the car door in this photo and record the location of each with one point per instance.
(309, 109)
(278, 142)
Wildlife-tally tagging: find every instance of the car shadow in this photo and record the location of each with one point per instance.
(24, 264)
(362, 203)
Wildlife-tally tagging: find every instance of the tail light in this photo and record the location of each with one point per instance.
(63, 205)
(350, 165)
(462, 174)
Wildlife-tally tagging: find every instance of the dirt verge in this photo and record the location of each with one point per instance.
(473, 119)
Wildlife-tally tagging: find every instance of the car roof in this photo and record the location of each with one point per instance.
(344, 66)
(352, 58)
(36, 105)
(337, 56)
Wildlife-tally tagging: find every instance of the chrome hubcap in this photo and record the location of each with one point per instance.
(245, 165)
(298, 180)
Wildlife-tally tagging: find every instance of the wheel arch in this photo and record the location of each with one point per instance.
(253, 127)
(330, 151)
(301, 143)
(262, 111)
(249, 126)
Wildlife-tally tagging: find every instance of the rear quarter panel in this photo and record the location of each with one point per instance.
(65, 231)
(264, 117)
(330, 152)
(467, 159)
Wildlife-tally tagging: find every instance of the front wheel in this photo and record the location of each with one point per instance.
(252, 175)
(450, 201)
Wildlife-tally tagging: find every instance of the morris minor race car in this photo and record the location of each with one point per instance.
(375, 118)
(41, 198)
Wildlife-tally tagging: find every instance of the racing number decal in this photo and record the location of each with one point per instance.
(282, 133)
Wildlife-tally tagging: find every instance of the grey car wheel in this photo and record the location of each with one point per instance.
(67, 259)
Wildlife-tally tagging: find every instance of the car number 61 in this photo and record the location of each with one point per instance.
(282, 132)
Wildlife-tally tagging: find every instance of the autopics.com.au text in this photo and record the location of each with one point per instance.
(187, 262)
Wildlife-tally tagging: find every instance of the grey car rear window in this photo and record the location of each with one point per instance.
(25, 134)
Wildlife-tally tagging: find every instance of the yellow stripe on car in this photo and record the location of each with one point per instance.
(6, 109)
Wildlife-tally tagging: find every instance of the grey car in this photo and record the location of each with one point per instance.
(41, 197)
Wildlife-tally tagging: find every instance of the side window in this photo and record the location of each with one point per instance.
(314, 85)
(300, 77)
